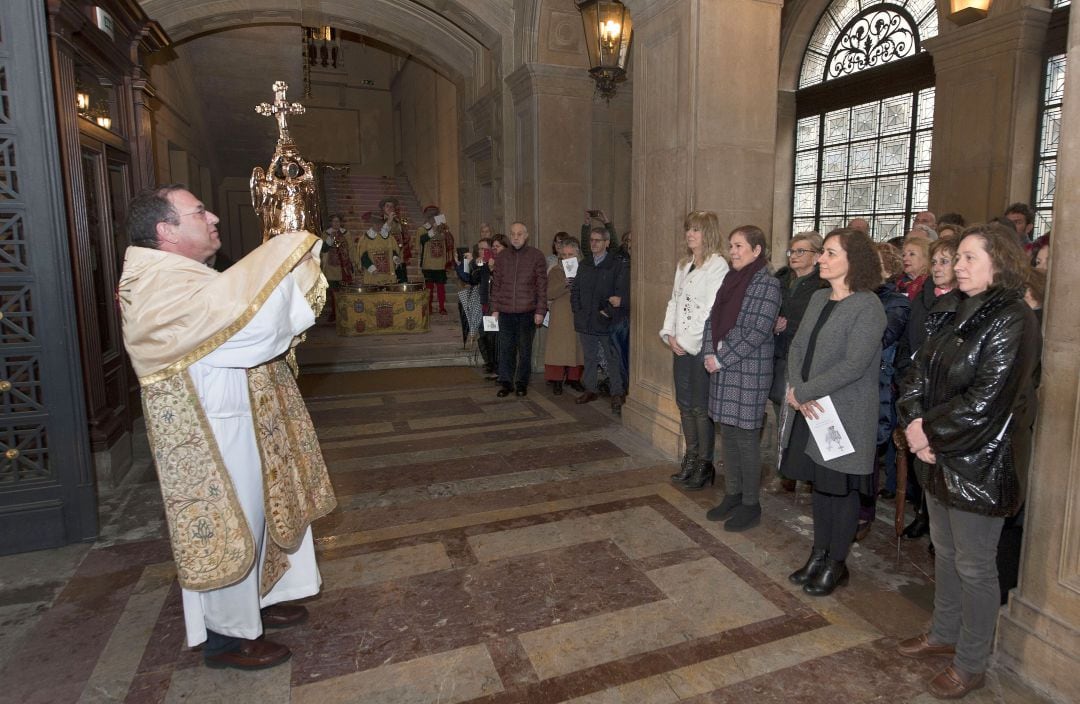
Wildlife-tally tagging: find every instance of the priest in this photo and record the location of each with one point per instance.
(241, 472)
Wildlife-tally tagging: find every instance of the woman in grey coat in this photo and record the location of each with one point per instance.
(738, 350)
(835, 353)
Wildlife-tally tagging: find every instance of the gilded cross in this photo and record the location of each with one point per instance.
(280, 109)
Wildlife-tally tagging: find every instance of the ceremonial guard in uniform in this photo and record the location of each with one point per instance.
(379, 256)
(436, 255)
(397, 227)
(337, 263)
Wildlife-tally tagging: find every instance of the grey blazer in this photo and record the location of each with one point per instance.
(847, 357)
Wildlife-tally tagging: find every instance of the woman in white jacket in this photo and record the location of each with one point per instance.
(697, 279)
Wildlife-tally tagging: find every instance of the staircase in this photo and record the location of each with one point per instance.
(351, 196)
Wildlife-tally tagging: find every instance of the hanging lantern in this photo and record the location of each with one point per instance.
(968, 11)
(608, 31)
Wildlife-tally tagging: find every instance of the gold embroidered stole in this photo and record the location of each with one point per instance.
(211, 540)
(175, 312)
(296, 485)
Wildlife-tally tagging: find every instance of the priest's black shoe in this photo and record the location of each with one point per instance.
(521, 390)
(556, 388)
(505, 391)
(814, 564)
(834, 574)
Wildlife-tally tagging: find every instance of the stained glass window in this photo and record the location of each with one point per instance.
(1049, 137)
(871, 159)
(855, 35)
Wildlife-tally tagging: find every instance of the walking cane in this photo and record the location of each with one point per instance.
(901, 485)
(780, 423)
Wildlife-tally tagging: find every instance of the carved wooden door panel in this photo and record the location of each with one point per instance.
(47, 495)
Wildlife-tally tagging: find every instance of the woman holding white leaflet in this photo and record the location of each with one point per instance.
(836, 353)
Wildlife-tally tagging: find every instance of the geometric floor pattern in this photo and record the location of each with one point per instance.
(490, 551)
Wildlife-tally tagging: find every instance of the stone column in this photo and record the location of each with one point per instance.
(986, 111)
(1039, 633)
(705, 106)
(553, 111)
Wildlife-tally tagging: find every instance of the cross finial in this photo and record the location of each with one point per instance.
(280, 109)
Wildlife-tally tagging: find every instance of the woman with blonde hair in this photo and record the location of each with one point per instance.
(697, 278)
(916, 258)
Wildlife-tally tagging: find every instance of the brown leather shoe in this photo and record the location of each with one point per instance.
(587, 397)
(921, 647)
(251, 655)
(954, 683)
(283, 615)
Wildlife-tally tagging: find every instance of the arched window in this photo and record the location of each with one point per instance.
(1045, 182)
(865, 110)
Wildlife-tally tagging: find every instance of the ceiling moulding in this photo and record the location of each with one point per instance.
(457, 55)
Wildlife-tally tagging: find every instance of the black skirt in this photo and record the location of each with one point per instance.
(798, 465)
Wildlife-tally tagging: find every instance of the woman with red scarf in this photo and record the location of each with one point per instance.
(738, 349)
(916, 256)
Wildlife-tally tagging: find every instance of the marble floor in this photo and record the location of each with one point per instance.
(488, 550)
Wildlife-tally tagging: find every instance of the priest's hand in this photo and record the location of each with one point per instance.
(538, 319)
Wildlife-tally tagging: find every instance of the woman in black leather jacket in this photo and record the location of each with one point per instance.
(960, 402)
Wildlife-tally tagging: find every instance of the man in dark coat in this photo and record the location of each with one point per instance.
(519, 303)
(599, 291)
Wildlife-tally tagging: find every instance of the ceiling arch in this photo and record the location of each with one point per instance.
(452, 36)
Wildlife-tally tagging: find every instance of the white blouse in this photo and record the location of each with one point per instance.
(692, 298)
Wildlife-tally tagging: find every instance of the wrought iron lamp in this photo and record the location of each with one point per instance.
(101, 115)
(967, 11)
(82, 100)
(608, 31)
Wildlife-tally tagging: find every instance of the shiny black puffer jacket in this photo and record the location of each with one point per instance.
(966, 382)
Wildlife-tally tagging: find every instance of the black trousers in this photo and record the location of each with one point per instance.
(488, 342)
(516, 332)
(692, 398)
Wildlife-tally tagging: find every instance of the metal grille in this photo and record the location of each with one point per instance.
(1049, 138)
(870, 161)
(855, 35)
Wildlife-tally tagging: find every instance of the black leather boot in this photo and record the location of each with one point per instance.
(701, 473)
(813, 565)
(834, 574)
(687, 466)
(920, 526)
(556, 388)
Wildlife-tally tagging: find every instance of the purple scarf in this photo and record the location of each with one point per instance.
(729, 299)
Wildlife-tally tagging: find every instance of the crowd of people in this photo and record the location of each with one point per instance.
(918, 353)
(579, 296)
(925, 346)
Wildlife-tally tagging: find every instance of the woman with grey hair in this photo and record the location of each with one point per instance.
(563, 358)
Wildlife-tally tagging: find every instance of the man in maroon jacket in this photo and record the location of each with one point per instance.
(519, 303)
